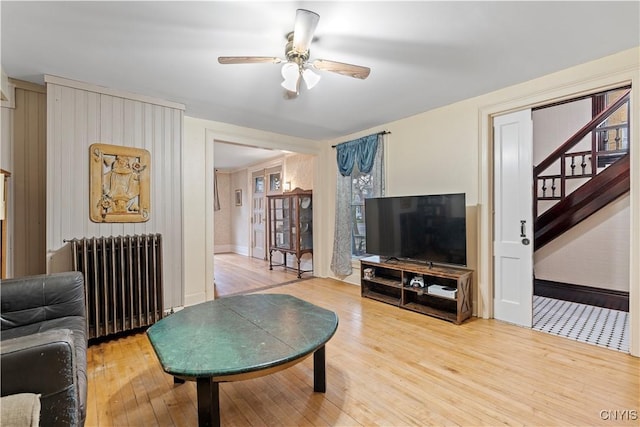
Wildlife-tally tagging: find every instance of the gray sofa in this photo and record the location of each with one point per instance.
(43, 346)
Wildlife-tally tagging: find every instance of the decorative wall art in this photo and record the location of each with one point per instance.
(238, 197)
(119, 183)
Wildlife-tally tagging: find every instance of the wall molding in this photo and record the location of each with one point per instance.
(60, 81)
(33, 87)
(598, 297)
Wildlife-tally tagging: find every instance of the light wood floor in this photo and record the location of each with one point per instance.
(389, 367)
(238, 274)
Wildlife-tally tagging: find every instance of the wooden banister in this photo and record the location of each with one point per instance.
(601, 190)
(577, 137)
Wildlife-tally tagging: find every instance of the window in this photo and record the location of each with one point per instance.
(352, 188)
(361, 188)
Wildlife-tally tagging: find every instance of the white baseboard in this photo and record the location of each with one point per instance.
(221, 249)
(241, 250)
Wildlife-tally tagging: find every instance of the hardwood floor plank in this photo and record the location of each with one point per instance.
(385, 366)
(236, 274)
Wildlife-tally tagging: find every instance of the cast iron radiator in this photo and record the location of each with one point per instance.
(123, 281)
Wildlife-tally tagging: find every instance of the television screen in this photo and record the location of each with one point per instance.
(428, 228)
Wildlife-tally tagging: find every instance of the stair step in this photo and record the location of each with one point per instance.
(604, 188)
(605, 160)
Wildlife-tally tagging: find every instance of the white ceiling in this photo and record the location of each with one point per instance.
(422, 55)
(230, 156)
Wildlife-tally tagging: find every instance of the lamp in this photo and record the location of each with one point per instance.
(305, 26)
(291, 73)
(310, 78)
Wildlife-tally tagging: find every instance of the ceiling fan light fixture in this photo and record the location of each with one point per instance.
(305, 26)
(289, 70)
(290, 84)
(290, 73)
(297, 65)
(310, 78)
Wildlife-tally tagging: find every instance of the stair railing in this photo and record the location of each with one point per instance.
(582, 164)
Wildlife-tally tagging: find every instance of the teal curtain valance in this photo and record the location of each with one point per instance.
(361, 150)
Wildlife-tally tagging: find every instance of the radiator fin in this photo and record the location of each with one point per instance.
(123, 281)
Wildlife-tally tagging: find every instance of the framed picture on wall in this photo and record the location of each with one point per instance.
(238, 197)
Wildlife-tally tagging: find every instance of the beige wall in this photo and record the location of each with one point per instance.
(240, 215)
(298, 169)
(594, 253)
(198, 222)
(554, 125)
(222, 218)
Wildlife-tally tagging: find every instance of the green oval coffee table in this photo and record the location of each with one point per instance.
(238, 338)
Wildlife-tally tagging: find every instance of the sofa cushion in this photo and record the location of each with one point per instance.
(21, 409)
(41, 298)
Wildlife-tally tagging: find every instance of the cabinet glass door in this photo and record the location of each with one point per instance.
(306, 222)
(280, 223)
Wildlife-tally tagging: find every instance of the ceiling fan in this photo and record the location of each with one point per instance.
(297, 65)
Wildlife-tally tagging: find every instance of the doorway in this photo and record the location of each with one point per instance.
(258, 215)
(571, 255)
(264, 182)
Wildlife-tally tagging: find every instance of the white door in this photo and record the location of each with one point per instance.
(513, 218)
(258, 218)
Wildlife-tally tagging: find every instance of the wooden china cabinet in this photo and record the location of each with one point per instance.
(291, 227)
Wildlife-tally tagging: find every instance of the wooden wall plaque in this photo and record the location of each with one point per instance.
(119, 183)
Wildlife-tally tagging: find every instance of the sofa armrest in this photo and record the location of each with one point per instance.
(43, 363)
(34, 299)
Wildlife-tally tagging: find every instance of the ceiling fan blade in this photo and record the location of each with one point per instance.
(303, 29)
(249, 60)
(341, 68)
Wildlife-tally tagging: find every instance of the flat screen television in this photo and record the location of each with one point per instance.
(424, 228)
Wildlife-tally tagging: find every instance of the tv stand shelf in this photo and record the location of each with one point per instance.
(390, 282)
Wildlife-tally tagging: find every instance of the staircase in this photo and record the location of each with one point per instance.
(587, 180)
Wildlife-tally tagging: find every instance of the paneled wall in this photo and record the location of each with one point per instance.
(28, 180)
(6, 159)
(79, 115)
(23, 154)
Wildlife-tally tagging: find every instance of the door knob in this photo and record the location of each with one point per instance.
(523, 232)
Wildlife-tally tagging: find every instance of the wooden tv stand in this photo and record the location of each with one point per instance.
(391, 283)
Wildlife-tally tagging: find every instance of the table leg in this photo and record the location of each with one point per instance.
(208, 402)
(319, 377)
